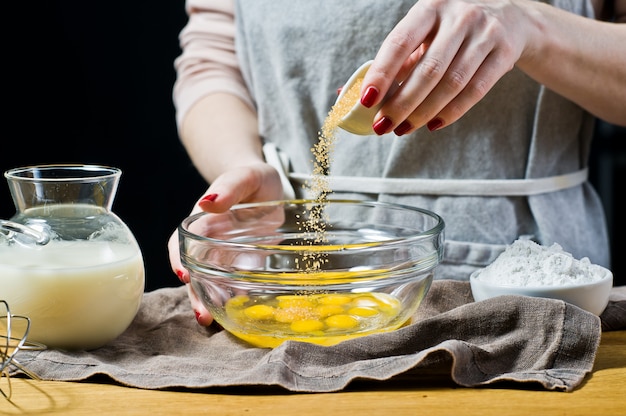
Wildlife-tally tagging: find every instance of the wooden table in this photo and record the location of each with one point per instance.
(603, 393)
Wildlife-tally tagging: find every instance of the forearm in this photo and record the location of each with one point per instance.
(220, 133)
(208, 63)
(579, 58)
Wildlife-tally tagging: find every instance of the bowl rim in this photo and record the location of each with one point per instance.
(438, 229)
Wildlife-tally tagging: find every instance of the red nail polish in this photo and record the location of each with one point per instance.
(403, 128)
(339, 90)
(197, 315)
(181, 275)
(369, 96)
(209, 198)
(382, 125)
(434, 124)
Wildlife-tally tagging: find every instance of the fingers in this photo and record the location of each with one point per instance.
(447, 56)
(174, 256)
(227, 190)
(203, 316)
(433, 80)
(255, 182)
(397, 55)
(259, 182)
(471, 93)
(445, 95)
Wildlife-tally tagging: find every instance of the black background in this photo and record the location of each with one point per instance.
(91, 82)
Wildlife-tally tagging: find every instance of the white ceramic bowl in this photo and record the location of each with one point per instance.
(592, 297)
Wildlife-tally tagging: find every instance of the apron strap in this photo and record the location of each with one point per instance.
(405, 186)
(280, 161)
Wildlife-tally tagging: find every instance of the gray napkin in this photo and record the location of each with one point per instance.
(514, 339)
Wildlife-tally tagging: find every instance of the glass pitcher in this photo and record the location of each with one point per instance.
(66, 260)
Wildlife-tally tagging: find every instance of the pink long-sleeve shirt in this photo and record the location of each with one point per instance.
(208, 63)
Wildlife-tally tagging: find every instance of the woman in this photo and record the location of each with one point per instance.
(492, 122)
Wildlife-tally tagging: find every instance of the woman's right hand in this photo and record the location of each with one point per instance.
(251, 183)
(448, 54)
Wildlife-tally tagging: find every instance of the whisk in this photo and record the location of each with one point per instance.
(13, 333)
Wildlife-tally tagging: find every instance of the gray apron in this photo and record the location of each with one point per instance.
(513, 166)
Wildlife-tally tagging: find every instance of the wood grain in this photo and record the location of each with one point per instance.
(603, 392)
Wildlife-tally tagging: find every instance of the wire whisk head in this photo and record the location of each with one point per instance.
(13, 333)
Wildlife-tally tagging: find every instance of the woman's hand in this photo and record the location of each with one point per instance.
(448, 54)
(253, 183)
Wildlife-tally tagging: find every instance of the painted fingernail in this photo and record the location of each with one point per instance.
(197, 315)
(209, 198)
(403, 128)
(181, 275)
(339, 90)
(382, 125)
(369, 96)
(434, 124)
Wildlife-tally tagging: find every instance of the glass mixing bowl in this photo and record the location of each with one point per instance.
(309, 271)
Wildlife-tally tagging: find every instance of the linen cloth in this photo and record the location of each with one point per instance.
(513, 339)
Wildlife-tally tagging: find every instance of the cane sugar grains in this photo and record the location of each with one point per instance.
(315, 225)
(322, 151)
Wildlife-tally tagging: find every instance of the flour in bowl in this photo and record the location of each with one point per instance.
(526, 263)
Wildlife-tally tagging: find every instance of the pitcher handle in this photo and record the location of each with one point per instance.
(10, 228)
